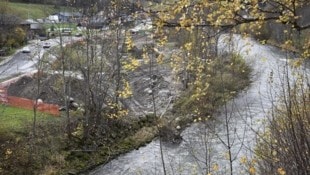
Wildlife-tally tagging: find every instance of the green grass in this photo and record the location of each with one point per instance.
(16, 119)
(34, 11)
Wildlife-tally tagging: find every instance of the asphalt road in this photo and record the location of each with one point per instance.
(21, 63)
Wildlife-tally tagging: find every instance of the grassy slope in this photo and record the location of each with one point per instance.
(15, 119)
(17, 142)
(34, 11)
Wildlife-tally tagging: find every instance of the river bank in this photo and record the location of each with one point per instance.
(181, 116)
(204, 148)
(55, 153)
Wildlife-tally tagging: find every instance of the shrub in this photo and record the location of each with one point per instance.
(284, 147)
(224, 76)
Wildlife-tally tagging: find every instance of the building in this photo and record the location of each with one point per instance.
(52, 19)
(33, 28)
(69, 17)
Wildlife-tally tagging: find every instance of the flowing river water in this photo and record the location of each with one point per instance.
(204, 148)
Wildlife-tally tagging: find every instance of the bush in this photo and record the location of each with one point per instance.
(22, 153)
(284, 147)
(224, 76)
(13, 39)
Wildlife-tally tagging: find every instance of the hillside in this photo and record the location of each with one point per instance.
(28, 10)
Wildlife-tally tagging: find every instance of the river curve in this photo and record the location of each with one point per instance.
(244, 115)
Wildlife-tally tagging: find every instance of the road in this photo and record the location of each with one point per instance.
(21, 63)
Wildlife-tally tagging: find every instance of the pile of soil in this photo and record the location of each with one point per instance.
(157, 83)
(145, 85)
(47, 88)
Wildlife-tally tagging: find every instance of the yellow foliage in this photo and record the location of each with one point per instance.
(215, 167)
(252, 170)
(281, 171)
(8, 151)
(298, 62)
(129, 42)
(243, 160)
(131, 64)
(188, 46)
(162, 41)
(160, 58)
(126, 92)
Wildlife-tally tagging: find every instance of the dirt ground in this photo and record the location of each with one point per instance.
(146, 84)
(48, 89)
(143, 83)
(152, 80)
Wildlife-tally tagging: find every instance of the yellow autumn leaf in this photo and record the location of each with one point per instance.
(160, 58)
(297, 63)
(281, 171)
(131, 64)
(129, 42)
(252, 170)
(126, 92)
(188, 46)
(8, 151)
(243, 160)
(215, 167)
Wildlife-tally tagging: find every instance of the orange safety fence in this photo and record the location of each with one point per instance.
(23, 102)
(29, 104)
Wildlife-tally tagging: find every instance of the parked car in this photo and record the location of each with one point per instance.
(43, 38)
(46, 45)
(26, 49)
(78, 34)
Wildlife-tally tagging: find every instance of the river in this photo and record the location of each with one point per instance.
(236, 127)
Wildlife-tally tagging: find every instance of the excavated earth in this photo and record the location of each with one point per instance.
(156, 83)
(48, 89)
